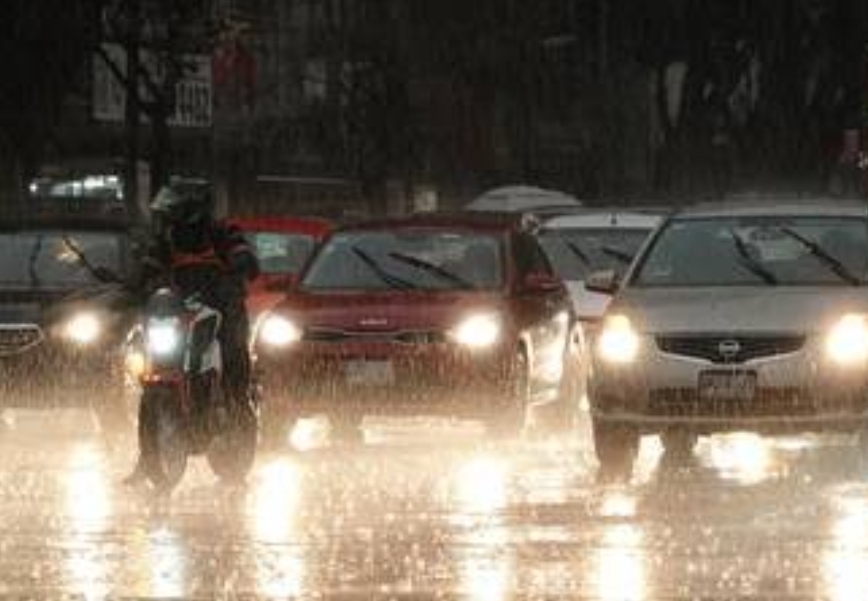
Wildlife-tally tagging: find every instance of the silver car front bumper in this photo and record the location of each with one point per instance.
(796, 392)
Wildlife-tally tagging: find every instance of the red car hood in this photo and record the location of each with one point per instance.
(389, 311)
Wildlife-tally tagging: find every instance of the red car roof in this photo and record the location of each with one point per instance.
(311, 226)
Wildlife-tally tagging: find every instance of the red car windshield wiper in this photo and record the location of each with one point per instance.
(436, 270)
(389, 279)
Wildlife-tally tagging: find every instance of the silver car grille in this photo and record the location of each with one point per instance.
(729, 348)
(18, 338)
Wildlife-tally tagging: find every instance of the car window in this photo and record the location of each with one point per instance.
(281, 253)
(577, 252)
(407, 259)
(52, 259)
(730, 251)
(529, 257)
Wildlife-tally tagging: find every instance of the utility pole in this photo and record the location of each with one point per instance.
(132, 109)
(603, 33)
(605, 96)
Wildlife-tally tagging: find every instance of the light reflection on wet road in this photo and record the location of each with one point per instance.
(450, 517)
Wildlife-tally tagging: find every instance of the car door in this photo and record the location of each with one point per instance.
(543, 308)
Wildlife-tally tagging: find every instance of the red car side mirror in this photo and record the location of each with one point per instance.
(281, 283)
(542, 282)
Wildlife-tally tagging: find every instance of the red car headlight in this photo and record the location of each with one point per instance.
(478, 331)
(278, 331)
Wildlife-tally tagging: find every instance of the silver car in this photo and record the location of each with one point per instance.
(747, 316)
(581, 243)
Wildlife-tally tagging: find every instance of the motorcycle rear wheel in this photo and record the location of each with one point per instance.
(162, 438)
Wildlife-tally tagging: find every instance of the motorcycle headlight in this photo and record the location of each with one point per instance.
(478, 331)
(278, 331)
(135, 363)
(163, 337)
(83, 329)
(847, 341)
(618, 341)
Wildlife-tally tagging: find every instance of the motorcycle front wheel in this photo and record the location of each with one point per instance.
(162, 440)
(233, 450)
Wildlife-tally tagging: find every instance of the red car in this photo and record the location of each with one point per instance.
(283, 245)
(429, 314)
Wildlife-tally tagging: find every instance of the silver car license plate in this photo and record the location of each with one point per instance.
(369, 373)
(727, 385)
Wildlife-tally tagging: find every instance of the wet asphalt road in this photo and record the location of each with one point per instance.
(430, 512)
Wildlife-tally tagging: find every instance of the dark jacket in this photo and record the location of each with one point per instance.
(211, 259)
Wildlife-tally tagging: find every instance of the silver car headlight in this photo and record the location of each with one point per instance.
(278, 331)
(163, 337)
(618, 341)
(83, 328)
(479, 331)
(847, 341)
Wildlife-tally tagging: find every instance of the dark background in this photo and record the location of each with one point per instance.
(337, 105)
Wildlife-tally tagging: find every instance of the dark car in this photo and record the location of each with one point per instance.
(61, 320)
(432, 314)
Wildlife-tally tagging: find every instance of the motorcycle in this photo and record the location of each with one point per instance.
(184, 410)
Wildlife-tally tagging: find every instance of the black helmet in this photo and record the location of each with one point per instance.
(184, 201)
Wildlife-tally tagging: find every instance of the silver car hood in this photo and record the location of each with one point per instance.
(753, 309)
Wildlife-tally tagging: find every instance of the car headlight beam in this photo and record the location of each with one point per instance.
(83, 328)
(478, 331)
(847, 341)
(618, 341)
(278, 331)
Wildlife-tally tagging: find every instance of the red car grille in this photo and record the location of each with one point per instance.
(401, 337)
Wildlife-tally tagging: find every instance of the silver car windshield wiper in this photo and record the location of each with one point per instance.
(835, 265)
(617, 254)
(578, 252)
(390, 279)
(32, 271)
(98, 272)
(750, 263)
(436, 270)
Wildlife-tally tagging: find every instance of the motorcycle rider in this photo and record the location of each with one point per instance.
(195, 253)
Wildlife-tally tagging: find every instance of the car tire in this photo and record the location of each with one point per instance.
(232, 452)
(276, 425)
(862, 448)
(346, 429)
(616, 446)
(568, 412)
(511, 419)
(678, 446)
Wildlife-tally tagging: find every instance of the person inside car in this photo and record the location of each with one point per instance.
(196, 254)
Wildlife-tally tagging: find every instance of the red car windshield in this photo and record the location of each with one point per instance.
(280, 252)
(408, 260)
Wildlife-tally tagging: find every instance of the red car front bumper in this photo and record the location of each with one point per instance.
(387, 379)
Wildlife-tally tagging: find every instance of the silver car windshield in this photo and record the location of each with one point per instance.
(751, 251)
(36, 259)
(407, 260)
(577, 252)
